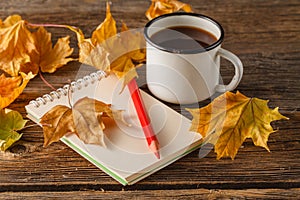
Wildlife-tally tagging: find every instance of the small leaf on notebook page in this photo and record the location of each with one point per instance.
(56, 123)
(10, 122)
(87, 116)
(232, 118)
(160, 7)
(84, 119)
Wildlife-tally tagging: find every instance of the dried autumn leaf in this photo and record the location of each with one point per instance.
(129, 56)
(85, 45)
(110, 52)
(10, 122)
(49, 58)
(160, 7)
(11, 20)
(85, 48)
(99, 37)
(126, 54)
(135, 44)
(23, 52)
(56, 123)
(91, 54)
(12, 87)
(87, 118)
(106, 29)
(16, 45)
(99, 58)
(233, 118)
(124, 68)
(84, 119)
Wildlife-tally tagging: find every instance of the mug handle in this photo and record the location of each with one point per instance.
(238, 68)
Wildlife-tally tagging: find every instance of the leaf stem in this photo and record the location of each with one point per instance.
(51, 25)
(49, 125)
(69, 98)
(28, 126)
(45, 81)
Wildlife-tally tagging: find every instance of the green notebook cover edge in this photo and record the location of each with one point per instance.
(114, 175)
(92, 160)
(166, 163)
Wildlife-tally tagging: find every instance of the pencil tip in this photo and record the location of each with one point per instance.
(157, 154)
(154, 147)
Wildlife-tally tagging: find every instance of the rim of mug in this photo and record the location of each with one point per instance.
(191, 51)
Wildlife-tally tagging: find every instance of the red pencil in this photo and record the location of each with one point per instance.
(143, 117)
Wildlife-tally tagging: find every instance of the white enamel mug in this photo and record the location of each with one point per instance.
(184, 76)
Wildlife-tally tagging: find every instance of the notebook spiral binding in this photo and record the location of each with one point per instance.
(72, 87)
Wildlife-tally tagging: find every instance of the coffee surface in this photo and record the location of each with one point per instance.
(183, 38)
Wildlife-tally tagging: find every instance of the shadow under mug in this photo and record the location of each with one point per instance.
(184, 76)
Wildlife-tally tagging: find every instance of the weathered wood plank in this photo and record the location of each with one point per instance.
(264, 34)
(160, 194)
(36, 168)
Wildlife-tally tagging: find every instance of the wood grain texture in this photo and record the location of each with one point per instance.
(264, 34)
(159, 194)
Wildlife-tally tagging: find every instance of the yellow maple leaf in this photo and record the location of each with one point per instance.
(49, 58)
(10, 20)
(100, 37)
(12, 87)
(129, 55)
(160, 7)
(84, 119)
(231, 118)
(106, 50)
(23, 52)
(106, 29)
(16, 45)
(85, 45)
(134, 43)
(98, 57)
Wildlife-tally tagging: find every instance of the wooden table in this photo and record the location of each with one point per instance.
(264, 34)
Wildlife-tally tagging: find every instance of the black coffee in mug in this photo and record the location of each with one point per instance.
(183, 38)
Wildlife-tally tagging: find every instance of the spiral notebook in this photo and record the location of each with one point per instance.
(126, 157)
